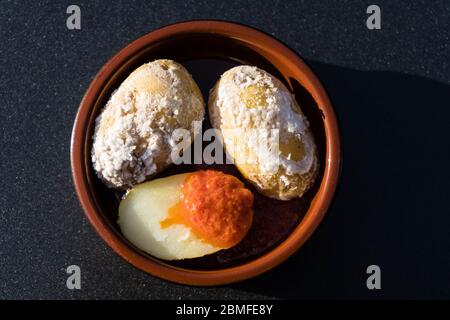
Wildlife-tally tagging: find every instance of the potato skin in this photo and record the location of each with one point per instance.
(133, 134)
(246, 98)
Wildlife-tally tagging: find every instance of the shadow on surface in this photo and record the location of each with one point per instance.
(389, 207)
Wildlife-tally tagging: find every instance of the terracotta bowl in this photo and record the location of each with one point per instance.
(207, 49)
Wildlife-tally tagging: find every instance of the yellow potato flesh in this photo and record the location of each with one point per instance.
(141, 213)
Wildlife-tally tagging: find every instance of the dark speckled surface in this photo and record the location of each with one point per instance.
(390, 88)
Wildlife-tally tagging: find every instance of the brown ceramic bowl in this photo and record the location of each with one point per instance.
(207, 49)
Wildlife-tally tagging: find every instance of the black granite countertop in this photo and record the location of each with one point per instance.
(390, 89)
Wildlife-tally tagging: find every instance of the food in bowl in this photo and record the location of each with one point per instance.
(187, 215)
(207, 49)
(248, 102)
(133, 133)
(191, 215)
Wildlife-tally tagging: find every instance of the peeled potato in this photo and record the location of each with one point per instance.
(133, 134)
(141, 213)
(248, 104)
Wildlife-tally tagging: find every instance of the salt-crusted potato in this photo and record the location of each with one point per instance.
(143, 209)
(186, 215)
(280, 157)
(133, 133)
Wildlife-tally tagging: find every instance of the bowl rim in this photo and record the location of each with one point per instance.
(252, 268)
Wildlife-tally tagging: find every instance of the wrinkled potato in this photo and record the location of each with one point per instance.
(264, 132)
(143, 209)
(133, 134)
